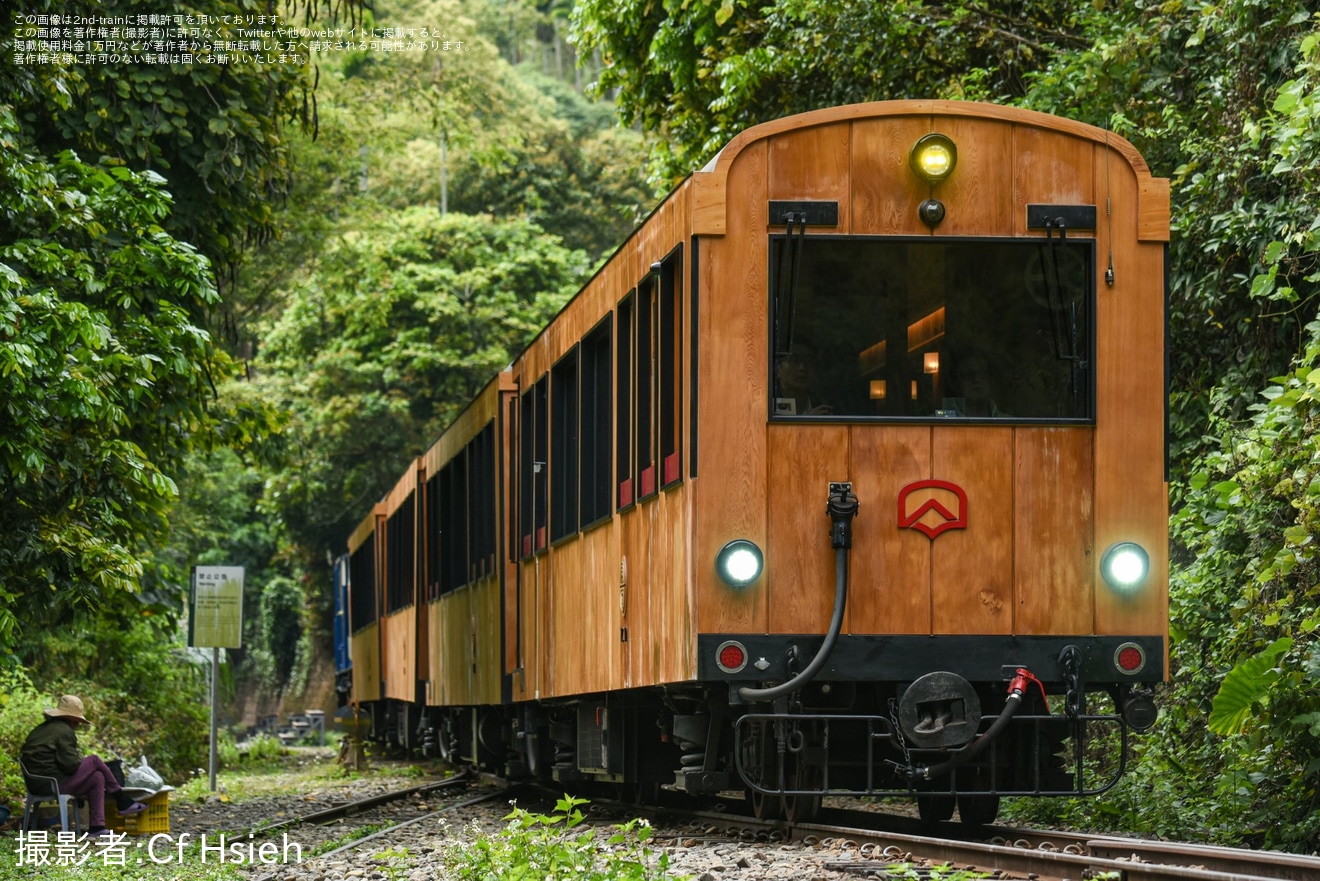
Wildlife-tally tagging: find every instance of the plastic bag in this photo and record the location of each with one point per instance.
(143, 776)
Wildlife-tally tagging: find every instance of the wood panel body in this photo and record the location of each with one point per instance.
(462, 631)
(734, 379)
(1054, 543)
(1043, 501)
(620, 604)
(802, 461)
(883, 190)
(398, 632)
(365, 648)
(364, 641)
(660, 618)
(465, 659)
(1131, 497)
(971, 587)
(401, 630)
(609, 607)
(890, 583)
(812, 163)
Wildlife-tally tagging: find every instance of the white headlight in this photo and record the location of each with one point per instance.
(739, 562)
(1125, 565)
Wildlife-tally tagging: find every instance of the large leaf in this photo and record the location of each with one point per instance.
(1244, 685)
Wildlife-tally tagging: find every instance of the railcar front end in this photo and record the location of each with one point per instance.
(944, 570)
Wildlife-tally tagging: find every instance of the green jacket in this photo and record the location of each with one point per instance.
(51, 750)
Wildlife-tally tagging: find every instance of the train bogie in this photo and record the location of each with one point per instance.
(844, 474)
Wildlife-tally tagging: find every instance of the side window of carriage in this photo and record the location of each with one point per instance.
(482, 533)
(669, 377)
(434, 524)
(533, 460)
(659, 375)
(564, 446)
(453, 552)
(625, 317)
(594, 401)
(401, 541)
(362, 581)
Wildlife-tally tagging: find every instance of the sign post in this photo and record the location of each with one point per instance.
(215, 620)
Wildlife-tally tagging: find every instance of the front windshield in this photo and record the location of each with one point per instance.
(981, 329)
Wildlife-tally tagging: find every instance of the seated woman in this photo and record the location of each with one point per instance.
(51, 750)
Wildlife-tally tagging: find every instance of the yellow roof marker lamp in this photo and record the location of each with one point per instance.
(933, 159)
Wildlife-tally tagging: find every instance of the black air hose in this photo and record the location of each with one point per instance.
(748, 693)
(842, 508)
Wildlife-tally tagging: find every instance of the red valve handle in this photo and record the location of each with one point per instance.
(1019, 684)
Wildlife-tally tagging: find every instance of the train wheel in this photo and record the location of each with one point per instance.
(803, 808)
(935, 808)
(978, 810)
(766, 807)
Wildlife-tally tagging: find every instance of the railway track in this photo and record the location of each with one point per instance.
(1007, 852)
(850, 845)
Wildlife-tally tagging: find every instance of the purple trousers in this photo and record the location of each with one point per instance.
(94, 782)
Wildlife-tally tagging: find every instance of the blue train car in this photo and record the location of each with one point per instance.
(343, 657)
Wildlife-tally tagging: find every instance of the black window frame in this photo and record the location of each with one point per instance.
(565, 435)
(669, 370)
(401, 555)
(362, 607)
(482, 526)
(625, 474)
(533, 473)
(780, 240)
(595, 401)
(644, 387)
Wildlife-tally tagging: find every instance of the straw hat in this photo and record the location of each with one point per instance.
(69, 707)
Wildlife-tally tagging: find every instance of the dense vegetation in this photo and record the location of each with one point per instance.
(1221, 97)
(234, 301)
(210, 361)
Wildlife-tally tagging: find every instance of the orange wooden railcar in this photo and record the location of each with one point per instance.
(967, 371)
(363, 613)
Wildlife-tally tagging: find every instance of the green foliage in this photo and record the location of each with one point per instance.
(385, 338)
(153, 706)
(1244, 686)
(215, 132)
(20, 711)
(556, 845)
(106, 376)
(695, 74)
(255, 753)
(280, 610)
(1198, 87)
(144, 691)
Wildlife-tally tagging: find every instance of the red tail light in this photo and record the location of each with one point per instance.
(1129, 658)
(731, 656)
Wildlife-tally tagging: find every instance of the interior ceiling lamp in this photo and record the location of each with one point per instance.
(934, 156)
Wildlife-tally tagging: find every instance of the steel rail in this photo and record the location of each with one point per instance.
(1119, 858)
(356, 807)
(1272, 864)
(475, 800)
(1193, 863)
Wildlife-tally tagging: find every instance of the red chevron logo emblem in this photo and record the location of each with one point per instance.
(923, 497)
